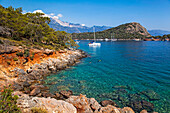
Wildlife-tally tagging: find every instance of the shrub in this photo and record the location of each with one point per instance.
(26, 53)
(9, 62)
(32, 57)
(19, 54)
(8, 102)
(38, 110)
(15, 59)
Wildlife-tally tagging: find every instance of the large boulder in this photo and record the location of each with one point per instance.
(104, 103)
(81, 103)
(51, 105)
(127, 110)
(109, 109)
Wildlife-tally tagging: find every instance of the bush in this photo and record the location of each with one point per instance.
(15, 59)
(19, 54)
(26, 53)
(9, 62)
(8, 102)
(38, 110)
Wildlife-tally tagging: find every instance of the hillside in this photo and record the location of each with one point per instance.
(31, 29)
(59, 25)
(124, 31)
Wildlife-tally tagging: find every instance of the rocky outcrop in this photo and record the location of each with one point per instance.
(5, 32)
(135, 27)
(51, 105)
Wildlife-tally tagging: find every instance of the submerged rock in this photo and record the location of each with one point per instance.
(66, 94)
(151, 95)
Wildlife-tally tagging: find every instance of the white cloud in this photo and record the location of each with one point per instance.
(52, 14)
(83, 24)
(38, 11)
(60, 15)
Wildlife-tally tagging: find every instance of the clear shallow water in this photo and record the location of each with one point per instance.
(133, 66)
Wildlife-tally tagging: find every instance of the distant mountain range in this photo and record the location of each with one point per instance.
(158, 32)
(59, 25)
(74, 28)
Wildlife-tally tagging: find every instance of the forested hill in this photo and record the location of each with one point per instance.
(31, 29)
(124, 31)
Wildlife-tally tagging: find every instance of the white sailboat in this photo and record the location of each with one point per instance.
(77, 42)
(94, 42)
(112, 37)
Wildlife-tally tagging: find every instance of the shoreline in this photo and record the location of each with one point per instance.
(28, 85)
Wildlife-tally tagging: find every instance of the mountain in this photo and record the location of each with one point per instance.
(124, 31)
(158, 32)
(59, 25)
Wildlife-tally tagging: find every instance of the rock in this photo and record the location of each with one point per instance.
(66, 94)
(35, 91)
(138, 106)
(6, 32)
(104, 103)
(127, 110)
(147, 105)
(94, 104)
(109, 109)
(120, 87)
(26, 103)
(48, 52)
(26, 84)
(151, 95)
(81, 103)
(143, 111)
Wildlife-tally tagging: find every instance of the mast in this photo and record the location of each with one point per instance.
(94, 33)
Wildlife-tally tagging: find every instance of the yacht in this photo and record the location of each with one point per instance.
(93, 43)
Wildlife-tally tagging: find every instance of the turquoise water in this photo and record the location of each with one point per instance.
(132, 66)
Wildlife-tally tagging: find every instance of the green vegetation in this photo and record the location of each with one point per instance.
(9, 62)
(15, 59)
(38, 110)
(8, 102)
(19, 54)
(162, 37)
(32, 56)
(32, 29)
(124, 31)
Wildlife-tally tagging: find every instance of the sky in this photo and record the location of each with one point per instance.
(152, 14)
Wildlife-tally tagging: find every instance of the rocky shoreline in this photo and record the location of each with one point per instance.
(28, 85)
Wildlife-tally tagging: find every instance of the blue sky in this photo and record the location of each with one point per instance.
(152, 14)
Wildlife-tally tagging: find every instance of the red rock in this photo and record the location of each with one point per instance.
(127, 110)
(81, 103)
(143, 111)
(110, 109)
(35, 91)
(104, 103)
(66, 94)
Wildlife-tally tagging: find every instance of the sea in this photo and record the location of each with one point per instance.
(122, 71)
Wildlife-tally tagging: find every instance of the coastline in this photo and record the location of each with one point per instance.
(27, 83)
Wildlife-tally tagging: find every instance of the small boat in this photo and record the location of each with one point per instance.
(77, 42)
(106, 39)
(136, 39)
(166, 39)
(93, 43)
(112, 37)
